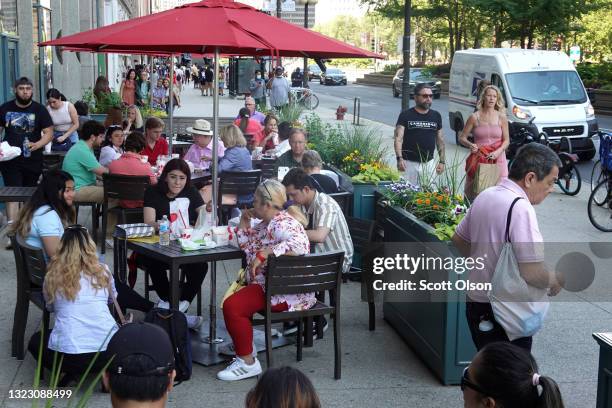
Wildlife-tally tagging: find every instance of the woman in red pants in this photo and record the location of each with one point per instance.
(281, 232)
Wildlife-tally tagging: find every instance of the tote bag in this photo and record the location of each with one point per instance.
(487, 175)
(517, 306)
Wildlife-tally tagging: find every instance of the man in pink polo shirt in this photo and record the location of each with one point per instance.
(481, 234)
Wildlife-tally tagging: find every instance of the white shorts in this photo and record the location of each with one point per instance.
(420, 173)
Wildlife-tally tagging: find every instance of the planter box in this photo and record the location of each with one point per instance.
(100, 117)
(604, 376)
(436, 331)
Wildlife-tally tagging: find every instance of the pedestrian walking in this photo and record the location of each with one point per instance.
(26, 124)
(279, 89)
(257, 86)
(418, 132)
(505, 213)
(128, 88)
(489, 126)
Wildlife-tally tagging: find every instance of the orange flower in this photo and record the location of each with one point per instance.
(436, 206)
(440, 198)
(428, 201)
(419, 201)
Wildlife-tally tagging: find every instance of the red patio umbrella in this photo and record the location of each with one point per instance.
(232, 27)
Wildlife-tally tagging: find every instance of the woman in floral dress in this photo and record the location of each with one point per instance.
(281, 232)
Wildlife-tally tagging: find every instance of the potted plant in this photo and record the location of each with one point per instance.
(101, 107)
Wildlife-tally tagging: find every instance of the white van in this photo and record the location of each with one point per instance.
(534, 83)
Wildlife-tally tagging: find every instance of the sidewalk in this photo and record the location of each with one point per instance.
(378, 368)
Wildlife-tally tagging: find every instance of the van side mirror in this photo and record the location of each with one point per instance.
(592, 95)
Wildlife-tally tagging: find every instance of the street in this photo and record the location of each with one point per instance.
(378, 104)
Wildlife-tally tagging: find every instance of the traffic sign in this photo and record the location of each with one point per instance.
(574, 53)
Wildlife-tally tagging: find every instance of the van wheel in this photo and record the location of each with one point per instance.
(395, 93)
(586, 155)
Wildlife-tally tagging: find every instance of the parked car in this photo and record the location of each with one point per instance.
(314, 72)
(417, 76)
(333, 76)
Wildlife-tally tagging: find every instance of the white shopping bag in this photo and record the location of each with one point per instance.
(9, 152)
(179, 216)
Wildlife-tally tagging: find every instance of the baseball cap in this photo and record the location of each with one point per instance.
(144, 339)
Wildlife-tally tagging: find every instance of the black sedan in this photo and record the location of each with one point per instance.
(314, 72)
(333, 76)
(417, 76)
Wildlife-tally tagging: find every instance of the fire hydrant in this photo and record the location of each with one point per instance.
(340, 112)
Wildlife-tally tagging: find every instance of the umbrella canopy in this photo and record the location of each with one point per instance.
(234, 28)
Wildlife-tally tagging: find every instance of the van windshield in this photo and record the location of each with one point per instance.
(546, 88)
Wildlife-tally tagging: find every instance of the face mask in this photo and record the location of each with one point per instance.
(258, 76)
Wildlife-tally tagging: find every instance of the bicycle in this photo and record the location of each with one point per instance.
(304, 97)
(569, 179)
(598, 173)
(599, 206)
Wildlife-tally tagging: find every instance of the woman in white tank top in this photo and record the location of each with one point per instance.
(65, 121)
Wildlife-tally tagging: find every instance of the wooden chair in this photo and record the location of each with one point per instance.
(266, 166)
(96, 211)
(31, 268)
(121, 187)
(345, 200)
(237, 183)
(287, 275)
(362, 234)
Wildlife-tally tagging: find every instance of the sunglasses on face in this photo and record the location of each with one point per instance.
(465, 382)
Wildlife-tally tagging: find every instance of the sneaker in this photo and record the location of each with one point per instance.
(162, 304)
(239, 370)
(229, 350)
(8, 245)
(325, 327)
(194, 322)
(183, 306)
(289, 328)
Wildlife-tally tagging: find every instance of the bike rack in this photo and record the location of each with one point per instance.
(356, 110)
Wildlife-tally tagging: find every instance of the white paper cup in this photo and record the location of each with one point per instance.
(186, 233)
(144, 158)
(175, 155)
(48, 147)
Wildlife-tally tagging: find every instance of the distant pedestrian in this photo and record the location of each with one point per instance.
(504, 375)
(209, 77)
(482, 233)
(128, 88)
(143, 88)
(24, 121)
(221, 81)
(279, 89)
(297, 78)
(418, 132)
(101, 89)
(257, 86)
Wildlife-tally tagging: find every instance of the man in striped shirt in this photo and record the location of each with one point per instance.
(327, 227)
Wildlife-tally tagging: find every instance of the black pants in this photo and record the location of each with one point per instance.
(477, 312)
(194, 276)
(128, 298)
(73, 364)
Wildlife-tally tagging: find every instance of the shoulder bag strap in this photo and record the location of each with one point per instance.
(509, 218)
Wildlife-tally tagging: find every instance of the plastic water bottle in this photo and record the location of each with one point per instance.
(26, 147)
(164, 231)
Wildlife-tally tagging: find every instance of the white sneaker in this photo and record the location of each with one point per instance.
(194, 322)
(239, 370)
(162, 304)
(183, 306)
(229, 350)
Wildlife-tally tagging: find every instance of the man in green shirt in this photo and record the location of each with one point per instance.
(82, 164)
(293, 158)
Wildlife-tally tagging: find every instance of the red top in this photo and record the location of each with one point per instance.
(253, 128)
(160, 149)
(129, 164)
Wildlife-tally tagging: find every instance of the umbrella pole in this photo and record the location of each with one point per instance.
(212, 329)
(171, 103)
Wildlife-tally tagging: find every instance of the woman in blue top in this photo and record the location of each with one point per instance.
(236, 157)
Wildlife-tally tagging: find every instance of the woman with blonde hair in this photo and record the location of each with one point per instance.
(489, 126)
(280, 232)
(77, 288)
(133, 120)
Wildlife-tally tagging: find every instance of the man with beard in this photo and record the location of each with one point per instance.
(417, 132)
(24, 118)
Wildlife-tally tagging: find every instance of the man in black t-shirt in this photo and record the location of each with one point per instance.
(417, 133)
(24, 118)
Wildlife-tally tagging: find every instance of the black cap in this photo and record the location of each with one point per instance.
(143, 339)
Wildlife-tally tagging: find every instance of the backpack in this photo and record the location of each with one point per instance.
(605, 150)
(174, 323)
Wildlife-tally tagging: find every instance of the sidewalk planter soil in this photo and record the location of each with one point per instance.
(436, 331)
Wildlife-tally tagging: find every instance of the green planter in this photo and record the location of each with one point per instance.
(100, 117)
(436, 331)
(604, 377)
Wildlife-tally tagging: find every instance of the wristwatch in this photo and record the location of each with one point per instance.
(398, 158)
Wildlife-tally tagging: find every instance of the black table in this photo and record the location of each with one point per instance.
(203, 352)
(16, 194)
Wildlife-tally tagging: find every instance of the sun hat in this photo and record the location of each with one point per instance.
(200, 127)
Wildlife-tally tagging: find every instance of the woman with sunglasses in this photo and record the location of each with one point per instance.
(504, 375)
(112, 147)
(77, 288)
(281, 232)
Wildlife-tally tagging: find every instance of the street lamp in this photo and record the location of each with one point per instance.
(406, 49)
(306, 3)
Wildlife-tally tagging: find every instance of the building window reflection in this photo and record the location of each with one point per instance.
(42, 56)
(8, 17)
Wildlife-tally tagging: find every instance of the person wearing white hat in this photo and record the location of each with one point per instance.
(200, 153)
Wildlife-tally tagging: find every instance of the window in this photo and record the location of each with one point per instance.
(497, 81)
(546, 87)
(8, 17)
(42, 56)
